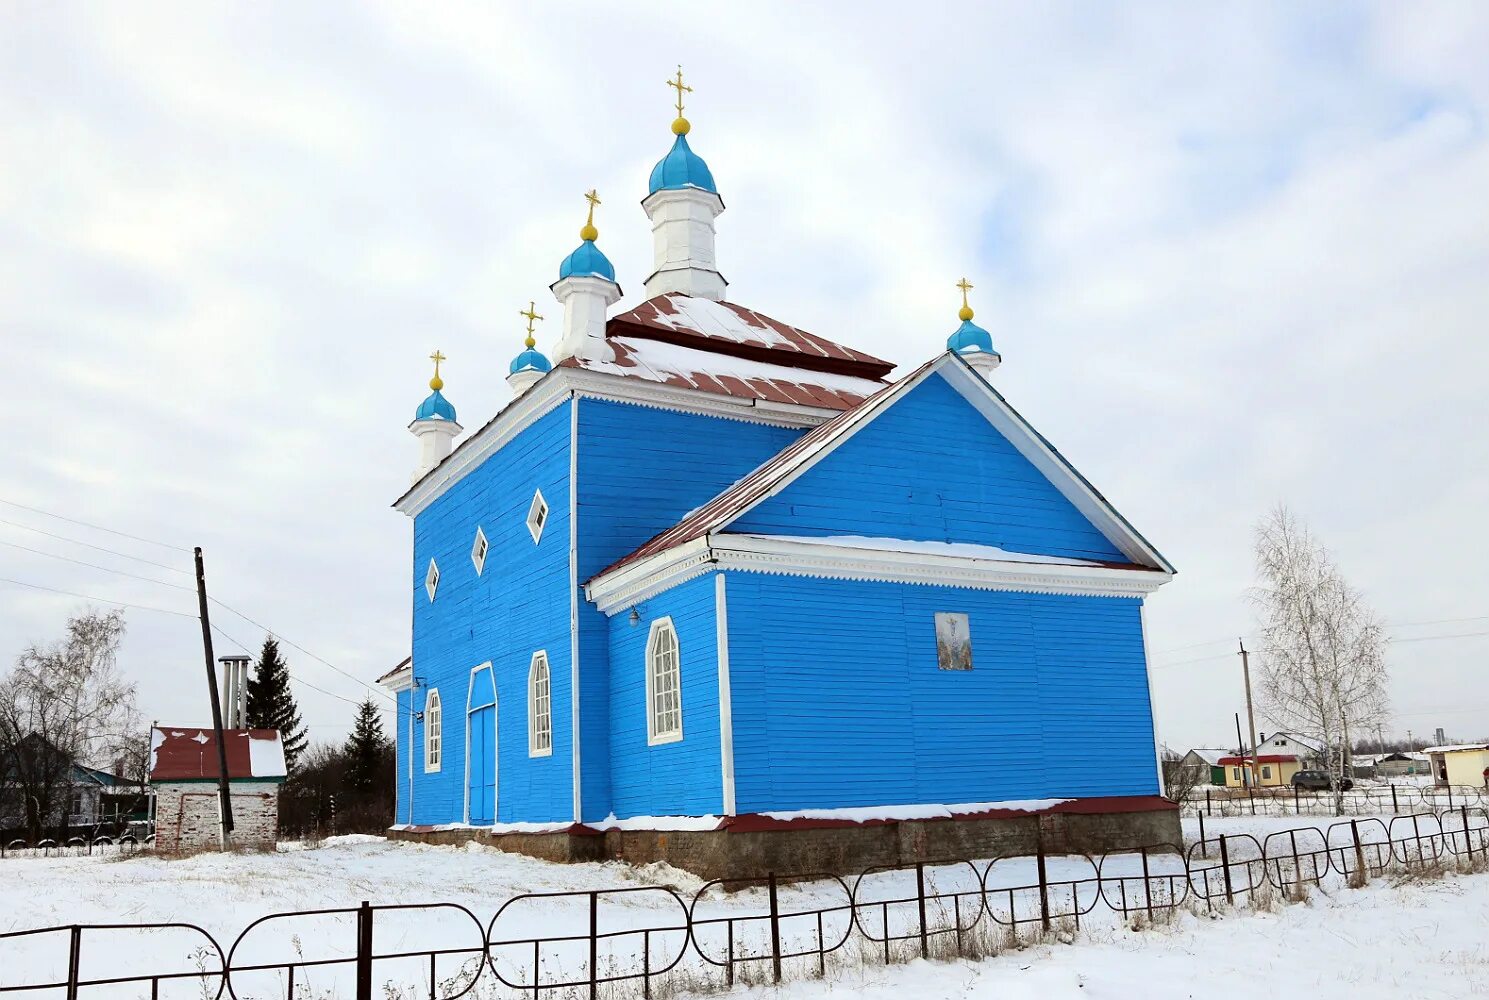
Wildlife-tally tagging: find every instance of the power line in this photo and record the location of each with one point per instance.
(95, 527)
(106, 569)
(100, 600)
(1429, 638)
(297, 680)
(90, 545)
(294, 645)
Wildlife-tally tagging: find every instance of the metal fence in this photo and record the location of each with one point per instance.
(1400, 799)
(77, 846)
(574, 943)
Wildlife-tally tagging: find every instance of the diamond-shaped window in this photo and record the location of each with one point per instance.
(478, 551)
(431, 579)
(537, 516)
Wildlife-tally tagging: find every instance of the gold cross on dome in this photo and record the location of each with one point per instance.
(593, 198)
(677, 85)
(437, 357)
(965, 286)
(532, 317)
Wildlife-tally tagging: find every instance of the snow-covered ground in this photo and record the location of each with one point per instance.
(1421, 938)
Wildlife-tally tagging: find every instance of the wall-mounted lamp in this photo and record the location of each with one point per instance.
(635, 618)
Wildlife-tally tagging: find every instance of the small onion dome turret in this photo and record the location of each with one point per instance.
(587, 261)
(436, 406)
(971, 340)
(530, 360)
(681, 167)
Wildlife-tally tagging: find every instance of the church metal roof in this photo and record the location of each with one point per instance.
(727, 349)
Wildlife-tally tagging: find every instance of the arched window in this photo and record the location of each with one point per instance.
(433, 731)
(663, 684)
(539, 707)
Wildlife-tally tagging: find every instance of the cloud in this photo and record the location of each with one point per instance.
(1230, 257)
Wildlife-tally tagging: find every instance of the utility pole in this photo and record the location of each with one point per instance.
(1242, 741)
(224, 797)
(1250, 711)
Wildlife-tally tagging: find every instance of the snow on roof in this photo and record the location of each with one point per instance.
(1458, 748)
(727, 323)
(1307, 742)
(1210, 755)
(746, 378)
(965, 550)
(404, 664)
(189, 753)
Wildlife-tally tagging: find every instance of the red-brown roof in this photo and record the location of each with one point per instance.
(189, 753)
(726, 349)
(1266, 758)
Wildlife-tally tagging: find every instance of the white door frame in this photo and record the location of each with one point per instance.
(469, 708)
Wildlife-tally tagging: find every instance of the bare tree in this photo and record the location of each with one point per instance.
(1323, 662)
(62, 705)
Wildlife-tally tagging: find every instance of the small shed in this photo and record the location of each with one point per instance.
(184, 773)
(1460, 764)
(1205, 762)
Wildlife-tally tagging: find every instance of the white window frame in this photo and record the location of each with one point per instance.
(537, 516)
(655, 734)
(431, 580)
(480, 548)
(434, 732)
(539, 706)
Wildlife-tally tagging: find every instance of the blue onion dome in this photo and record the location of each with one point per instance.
(586, 261)
(681, 168)
(970, 338)
(435, 407)
(530, 360)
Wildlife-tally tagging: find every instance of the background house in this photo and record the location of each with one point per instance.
(1205, 762)
(183, 774)
(1459, 764)
(85, 799)
(1278, 758)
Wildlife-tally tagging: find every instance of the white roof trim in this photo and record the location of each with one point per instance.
(402, 680)
(559, 384)
(648, 577)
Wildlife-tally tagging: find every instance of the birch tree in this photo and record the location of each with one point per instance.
(1323, 657)
(63, 704)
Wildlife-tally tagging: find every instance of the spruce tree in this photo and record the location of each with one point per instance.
(271, 704)
(366, 751)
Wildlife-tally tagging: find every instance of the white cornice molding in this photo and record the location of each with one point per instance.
(401, 681)
(559, 385)
(639, 581)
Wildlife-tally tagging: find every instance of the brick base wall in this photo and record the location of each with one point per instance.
(187, 819)
(847, 848)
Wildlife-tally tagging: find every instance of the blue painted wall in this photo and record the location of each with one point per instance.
(640, 471)
(684, 778)
(517, 605)
(932, 468)
(838, 700)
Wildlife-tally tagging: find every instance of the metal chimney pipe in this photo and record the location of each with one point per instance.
(234, 690)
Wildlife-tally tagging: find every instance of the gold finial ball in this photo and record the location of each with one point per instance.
(530, 343)
(680, 126)
(965, 314)
(589, 232)
(436, 383)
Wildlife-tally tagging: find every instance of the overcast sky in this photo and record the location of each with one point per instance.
(1232, 255)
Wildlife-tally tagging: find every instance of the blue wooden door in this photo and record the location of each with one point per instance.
(483, 765)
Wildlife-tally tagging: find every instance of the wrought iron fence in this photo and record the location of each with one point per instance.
(1215, 800)
(559, 943)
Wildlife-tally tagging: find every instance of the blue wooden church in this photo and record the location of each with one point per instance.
(710, 582)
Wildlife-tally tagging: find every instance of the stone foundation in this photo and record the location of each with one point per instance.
(749, 846)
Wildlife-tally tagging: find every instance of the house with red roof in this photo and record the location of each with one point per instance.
(710, 585)
(184, 771)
